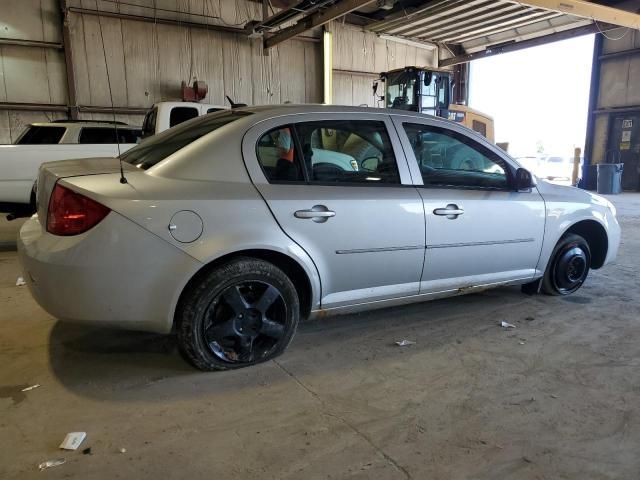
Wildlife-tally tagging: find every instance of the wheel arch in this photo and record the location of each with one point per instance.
(290, 266)
(596, 236)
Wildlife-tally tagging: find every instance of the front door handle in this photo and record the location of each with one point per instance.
(451, 211)
(317, 213)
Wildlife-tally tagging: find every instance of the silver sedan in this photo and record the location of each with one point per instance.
(231, 227)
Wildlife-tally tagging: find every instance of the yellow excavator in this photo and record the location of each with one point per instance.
(429, 91)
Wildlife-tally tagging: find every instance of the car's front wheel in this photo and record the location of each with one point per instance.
(568, 267)
(239, 314)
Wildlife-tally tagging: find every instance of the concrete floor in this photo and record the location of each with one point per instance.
(557, 397)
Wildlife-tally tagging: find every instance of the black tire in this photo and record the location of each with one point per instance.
(222, 317)
(568, 267)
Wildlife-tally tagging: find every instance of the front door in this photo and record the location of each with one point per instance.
(340, 188)
(479, 230)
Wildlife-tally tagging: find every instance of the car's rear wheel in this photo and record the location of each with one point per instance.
(239, 314)
(568, 267)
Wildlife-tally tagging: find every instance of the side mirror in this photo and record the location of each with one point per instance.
(524, 179)
(369, 164)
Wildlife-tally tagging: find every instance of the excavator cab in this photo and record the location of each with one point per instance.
(430, 91)
(417, 90)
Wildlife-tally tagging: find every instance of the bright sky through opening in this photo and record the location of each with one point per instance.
(538, 97)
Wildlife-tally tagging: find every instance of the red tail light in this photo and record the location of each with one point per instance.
(71, 213)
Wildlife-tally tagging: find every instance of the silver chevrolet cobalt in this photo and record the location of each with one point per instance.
(231, 227)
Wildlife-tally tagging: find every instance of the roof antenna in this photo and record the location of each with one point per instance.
(233, 104)
(123, 179)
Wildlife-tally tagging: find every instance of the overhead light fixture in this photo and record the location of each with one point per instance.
(412, 43)
(327, 67)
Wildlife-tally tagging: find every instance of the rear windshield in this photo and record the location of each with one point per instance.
(159, 147)
(39, 135)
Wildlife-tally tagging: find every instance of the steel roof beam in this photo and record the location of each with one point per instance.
(472, 18)
(464, 16)
(498, 26)
(316, 19)
(584, 9)
(436, 11)
(490, 51)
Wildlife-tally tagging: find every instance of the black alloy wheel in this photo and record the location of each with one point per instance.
(245, 322)
(239, 314)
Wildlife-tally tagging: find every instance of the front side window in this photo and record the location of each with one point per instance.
(348, 151)
(181, 114)
(41, 135)
(451, 159)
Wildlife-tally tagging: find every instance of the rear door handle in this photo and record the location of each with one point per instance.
(317, 213)
(451, 211)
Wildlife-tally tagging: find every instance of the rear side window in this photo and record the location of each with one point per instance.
(181, 114)
(278, 156)
(159, 147)
(329, 152)
(109, 135)
(40, 135)
(348, 151)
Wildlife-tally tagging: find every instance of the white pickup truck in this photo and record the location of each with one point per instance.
(165, 115)
(58, 140)
(67, 139)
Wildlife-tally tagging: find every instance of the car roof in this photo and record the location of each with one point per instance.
(266, 111)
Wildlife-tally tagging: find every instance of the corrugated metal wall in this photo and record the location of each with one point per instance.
(147, 60)
(364, 52)
(619, 85)
(28, 74)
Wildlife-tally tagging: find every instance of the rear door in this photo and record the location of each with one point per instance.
(479, 230)
(339, 186)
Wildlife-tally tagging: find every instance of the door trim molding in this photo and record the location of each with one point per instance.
(428, 247)
(376, 250)
(477, 244)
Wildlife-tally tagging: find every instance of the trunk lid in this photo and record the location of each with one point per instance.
(51, 172)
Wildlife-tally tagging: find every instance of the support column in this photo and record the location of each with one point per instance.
(68, 59)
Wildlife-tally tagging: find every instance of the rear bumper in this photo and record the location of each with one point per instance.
(116, 274)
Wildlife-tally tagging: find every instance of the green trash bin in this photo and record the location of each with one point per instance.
(610, 178)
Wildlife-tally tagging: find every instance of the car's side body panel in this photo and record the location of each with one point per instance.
(234, 217)
(372, 248)
(497, 238)
(567, 206)
(133, 266)
(110, 275)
